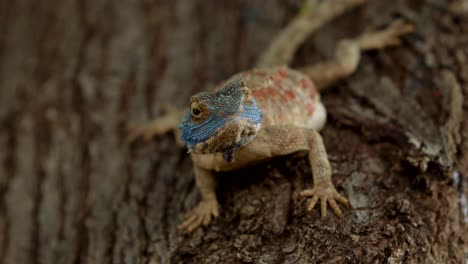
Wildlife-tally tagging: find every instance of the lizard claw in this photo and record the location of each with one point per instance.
(200, 215)
(326, 192)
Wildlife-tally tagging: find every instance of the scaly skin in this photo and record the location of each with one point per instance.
(267, 112)
(292, 115)
(285, 96)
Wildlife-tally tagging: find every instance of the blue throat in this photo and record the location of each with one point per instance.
(193, 133)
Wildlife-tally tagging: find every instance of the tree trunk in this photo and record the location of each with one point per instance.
(75, 74)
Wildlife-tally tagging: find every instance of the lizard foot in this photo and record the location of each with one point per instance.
(387, 37)
(326, 192)
(200, 215)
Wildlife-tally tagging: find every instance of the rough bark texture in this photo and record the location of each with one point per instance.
(74, 74)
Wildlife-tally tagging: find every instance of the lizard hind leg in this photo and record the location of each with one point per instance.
(311, 18)
(348, 54)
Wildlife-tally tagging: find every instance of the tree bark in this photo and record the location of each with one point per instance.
(75, 74)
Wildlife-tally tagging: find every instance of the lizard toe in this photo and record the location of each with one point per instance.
(200, 216)
(335, 207)
(327, 194)
(323, 206)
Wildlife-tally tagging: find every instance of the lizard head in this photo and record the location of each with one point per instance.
(221, 121)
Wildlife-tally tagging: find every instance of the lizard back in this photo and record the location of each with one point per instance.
(286, 97)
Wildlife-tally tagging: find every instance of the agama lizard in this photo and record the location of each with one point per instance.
(269, 111)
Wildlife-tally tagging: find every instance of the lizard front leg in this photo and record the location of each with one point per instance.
(285, 139)
(207, 209)
(323, 187)
(158, 126)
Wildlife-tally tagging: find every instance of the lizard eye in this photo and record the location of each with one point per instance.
(196, 112)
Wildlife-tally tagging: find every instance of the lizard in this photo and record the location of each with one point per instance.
(268, 111)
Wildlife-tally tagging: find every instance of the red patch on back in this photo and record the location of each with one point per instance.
(310, 108)
(312, 93)
(258, 93)
(260, 73)
(278, 76)
(310, 87)
(265, 93)
(282, 72)
(273, 91)
(289, 95)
